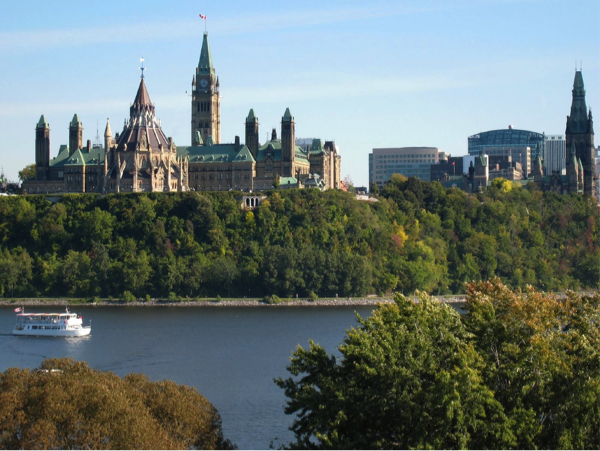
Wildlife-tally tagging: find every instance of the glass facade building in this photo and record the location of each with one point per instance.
(508, 137)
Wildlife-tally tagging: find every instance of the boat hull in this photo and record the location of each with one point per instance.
(54, 333)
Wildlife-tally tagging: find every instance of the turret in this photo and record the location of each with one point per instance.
(75, 135)
(288, 143)
(107, 136)
(252, 133)
(42, 149)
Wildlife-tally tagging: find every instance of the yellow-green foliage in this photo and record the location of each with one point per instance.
(66, 405)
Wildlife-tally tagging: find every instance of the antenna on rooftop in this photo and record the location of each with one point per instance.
(97, 143)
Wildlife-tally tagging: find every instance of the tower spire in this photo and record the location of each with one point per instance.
(205, 64)
(578, 119)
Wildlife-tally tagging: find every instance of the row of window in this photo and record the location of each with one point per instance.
(220, 168)
(421, 155)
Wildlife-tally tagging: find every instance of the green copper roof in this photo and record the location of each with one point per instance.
(80, 157)
(244, 155)
(42, 122)
(75, 122)
(288, 181)
(216, 153)
(76, 159)
(251, 117)
(316, 147)
(287, 115)
(205, 65)
(274, 146)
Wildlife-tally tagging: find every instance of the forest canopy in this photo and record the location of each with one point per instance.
(417, 236)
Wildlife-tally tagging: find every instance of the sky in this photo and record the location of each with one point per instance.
(366, 74)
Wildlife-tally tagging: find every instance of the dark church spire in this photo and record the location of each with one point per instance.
(577, 122)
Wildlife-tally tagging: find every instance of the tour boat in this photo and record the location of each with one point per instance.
(50, 324)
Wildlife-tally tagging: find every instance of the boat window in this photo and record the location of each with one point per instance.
(34, 327)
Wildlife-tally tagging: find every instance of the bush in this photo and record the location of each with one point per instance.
(128, 296)
(273, 299)
(148, 298)
(313, 296)
(150, 415)
(173, 297)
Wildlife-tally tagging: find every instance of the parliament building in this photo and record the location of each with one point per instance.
(141, 158)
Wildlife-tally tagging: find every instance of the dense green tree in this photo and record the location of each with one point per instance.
(520, 369)
(408, 377)
(66, 405)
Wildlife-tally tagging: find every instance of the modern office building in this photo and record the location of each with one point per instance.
(408, 161)
(507, 138)
(555, 161)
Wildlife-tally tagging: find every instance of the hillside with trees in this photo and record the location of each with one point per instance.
(418, 235)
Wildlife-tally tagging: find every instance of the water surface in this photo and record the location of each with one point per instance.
(230, 354)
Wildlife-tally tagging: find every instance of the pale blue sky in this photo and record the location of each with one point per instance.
(366, 74)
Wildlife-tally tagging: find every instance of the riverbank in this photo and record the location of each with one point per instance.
(339, 302)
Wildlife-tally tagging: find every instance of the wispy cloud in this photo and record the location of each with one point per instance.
(35, 40)
(237, 96)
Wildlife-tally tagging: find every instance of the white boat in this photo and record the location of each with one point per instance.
(50, 324)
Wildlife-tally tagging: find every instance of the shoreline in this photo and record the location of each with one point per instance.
(346, 302)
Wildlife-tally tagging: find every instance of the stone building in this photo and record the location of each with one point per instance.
(142, 159)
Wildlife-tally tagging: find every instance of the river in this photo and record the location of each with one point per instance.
(231, 355)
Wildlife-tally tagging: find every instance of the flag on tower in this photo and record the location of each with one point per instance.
(202, 16)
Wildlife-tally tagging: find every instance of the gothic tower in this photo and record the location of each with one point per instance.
(75, 135)
(42, 149)
(288, 144)
(252, 133)
(580, 135)
(206, 101)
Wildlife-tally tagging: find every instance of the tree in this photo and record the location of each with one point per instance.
(542, 360)
(27, 173)
(64, 404)
(408, 377)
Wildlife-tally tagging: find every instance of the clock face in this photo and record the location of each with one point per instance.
(203, 83)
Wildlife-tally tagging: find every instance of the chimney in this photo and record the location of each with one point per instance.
(237, 144)
(89, 145)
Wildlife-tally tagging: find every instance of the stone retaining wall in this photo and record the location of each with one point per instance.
(236, 303)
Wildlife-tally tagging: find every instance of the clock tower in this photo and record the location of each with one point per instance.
(206, 101)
